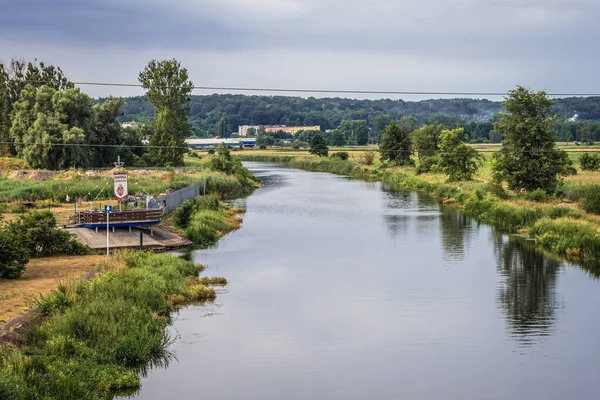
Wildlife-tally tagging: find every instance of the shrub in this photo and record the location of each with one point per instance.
(591, 200)
(37, 231)
(589, 161)
(262, 147)
(211, 151)
(427, 164)
(369, 157)
(538, 195)
(342, 155)
(14, 255)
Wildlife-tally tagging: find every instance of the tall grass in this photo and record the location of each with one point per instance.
(205, 220)
(99, 334)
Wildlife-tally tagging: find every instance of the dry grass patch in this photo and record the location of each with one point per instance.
(42, 276)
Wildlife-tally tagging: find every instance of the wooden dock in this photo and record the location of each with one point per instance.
(123, 238)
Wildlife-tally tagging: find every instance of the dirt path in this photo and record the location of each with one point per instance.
(42, 275)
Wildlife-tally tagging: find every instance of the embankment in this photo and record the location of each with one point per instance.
(98, 336)
(559, 229)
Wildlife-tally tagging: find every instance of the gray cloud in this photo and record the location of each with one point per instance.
(459, 45)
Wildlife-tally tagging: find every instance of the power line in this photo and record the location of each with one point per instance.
(190, 147)
(329, 91)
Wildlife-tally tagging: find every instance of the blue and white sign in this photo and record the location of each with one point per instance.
(107, 209)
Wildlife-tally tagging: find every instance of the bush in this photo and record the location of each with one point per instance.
(538, 195)
(369, 157)
(211, 151)
(591, 200)
(262, 147)
(342, 155)
(37, 231)
(14, 255)
(427, 164)
(589, 161)
(183, 213)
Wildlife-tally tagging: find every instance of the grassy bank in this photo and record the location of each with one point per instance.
(205, 220)
(558, 226)
(99, 335)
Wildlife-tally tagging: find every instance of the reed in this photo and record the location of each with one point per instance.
(98, 335)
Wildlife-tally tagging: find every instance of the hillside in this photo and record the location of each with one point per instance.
(206, 111)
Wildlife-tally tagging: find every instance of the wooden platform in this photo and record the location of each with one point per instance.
(122, 238)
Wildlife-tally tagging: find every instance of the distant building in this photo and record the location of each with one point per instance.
(130, 124)
(209, 143)
(243, 129)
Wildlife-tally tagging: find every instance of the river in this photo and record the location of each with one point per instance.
(342, 289)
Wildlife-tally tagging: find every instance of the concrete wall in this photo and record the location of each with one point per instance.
(173, 200)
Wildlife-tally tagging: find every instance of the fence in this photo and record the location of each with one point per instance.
(172, 200)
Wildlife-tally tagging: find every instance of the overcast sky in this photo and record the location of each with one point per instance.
(399, 45)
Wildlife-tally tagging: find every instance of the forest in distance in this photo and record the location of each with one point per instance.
(476, 116)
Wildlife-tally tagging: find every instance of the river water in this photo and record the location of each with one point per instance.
(341, 289)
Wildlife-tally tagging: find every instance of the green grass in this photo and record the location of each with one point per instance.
(98, 335)
(205, 220)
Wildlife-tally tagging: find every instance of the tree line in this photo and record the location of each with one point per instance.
(477, 117)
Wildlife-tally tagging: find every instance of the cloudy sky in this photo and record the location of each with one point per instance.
(384, 45)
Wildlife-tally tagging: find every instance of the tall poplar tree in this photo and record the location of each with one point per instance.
(169, 89)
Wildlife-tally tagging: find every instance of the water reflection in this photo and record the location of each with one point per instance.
(456, 231)
(528, 293)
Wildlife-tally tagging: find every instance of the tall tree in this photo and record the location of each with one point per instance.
(355, 131)
(409, 123)
(168, 88)
(426, 140)
(318, 146)
(396, 145)
(529, 158)
(223, 128)
(379, 123)
(107, 131)
(51, 124)
(458, 160)
(5, 107)
(17, 74)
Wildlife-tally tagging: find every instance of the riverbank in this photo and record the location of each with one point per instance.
(557, 226)
(98, 336)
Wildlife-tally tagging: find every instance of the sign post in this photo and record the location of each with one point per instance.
(107, 211)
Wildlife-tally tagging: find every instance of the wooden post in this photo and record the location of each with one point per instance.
(141, 240)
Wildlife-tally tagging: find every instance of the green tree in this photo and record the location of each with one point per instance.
(378, 124)
(338, 139)
(223, 128)
(251, 132)
(51, 124)
(426, 140)
(14, 77)
(318, 146)
(457, 160)
(355, 131)
(396, 145)
(168, 88)
(409, 123)
(529, 158)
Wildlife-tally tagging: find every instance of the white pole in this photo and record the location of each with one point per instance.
(107, 233)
